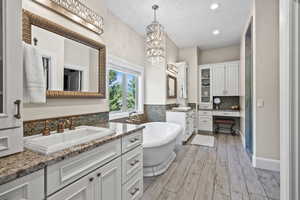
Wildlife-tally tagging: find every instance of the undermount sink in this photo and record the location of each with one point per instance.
(181, 108)
(60, 141)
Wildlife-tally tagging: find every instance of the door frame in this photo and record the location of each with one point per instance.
(289, 102)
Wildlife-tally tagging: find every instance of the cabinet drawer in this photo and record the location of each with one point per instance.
(132, 162)
(133, 189)
(66, 172)
(81, 189)
(227, 113)
(30, 187)
(131, 141)
(205, 105)
(205, 123)
(205, 119)
(11, 141)
(205, 113)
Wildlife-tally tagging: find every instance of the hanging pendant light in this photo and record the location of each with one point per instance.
(155, 40)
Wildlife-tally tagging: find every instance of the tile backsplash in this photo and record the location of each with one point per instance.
(35, 127)
(157, 113)
(227, 102)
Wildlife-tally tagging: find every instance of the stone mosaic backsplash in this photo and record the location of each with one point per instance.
(35, 127)
(227, 102)
(157, 113)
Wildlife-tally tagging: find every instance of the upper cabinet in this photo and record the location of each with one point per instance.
(205, 87)
(226, 79)
(232, 75)
(10, 64)
(219, 80)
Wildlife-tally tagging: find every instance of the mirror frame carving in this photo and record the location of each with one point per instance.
(168, 87)
(30, 19)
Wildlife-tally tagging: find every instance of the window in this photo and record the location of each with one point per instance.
(125, 88)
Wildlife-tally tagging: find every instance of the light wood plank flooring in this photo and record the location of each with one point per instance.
(220, 173)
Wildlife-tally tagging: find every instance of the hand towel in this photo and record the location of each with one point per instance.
(34, 76)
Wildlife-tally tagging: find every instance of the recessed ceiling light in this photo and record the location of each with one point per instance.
(214, 6)
(216, 32)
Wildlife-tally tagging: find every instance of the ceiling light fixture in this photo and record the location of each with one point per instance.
(155, 40)
(214, 6)
(216, 32)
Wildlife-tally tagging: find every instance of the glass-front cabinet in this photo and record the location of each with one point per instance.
(11, 77)
(205, 87)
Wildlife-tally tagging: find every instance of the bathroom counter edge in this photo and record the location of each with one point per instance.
(27, 162)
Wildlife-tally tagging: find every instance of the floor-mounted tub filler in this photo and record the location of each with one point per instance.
(159, 142)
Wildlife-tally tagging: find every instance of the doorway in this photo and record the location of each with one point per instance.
(249, 90)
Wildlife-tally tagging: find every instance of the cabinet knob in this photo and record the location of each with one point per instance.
(134, 191)
(91, 179)
(99, 174)
(133, 140)
(134, 163)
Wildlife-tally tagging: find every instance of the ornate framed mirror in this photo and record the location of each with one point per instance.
(171, 87)
(74, 65)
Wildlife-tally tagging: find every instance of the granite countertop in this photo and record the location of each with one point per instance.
(222, 110)
(171, 110)
(27, 162)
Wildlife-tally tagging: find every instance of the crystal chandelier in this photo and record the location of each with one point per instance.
(155, 40)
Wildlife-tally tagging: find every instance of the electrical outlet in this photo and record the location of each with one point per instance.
(260, 103)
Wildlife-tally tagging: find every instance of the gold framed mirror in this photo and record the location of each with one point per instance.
(171, 87)
(75, 67)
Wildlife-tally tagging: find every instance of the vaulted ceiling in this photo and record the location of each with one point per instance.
(188, 22)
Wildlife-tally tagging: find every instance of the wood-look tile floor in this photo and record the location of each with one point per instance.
(220, 173)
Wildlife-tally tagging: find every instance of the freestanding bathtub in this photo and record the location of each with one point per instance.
(159, 141)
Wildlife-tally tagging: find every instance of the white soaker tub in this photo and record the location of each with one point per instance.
(159, 141)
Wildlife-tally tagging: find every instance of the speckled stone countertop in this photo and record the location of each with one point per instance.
(27, 162)
(222, 110)
(172, 110)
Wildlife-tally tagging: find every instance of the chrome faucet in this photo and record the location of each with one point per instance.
(131, 113)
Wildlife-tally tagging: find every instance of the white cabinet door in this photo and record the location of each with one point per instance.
(11, 76)
(108, 184)
(205, 87)
(80, 190)
(219, 80)
(232, 79)
(30, 187)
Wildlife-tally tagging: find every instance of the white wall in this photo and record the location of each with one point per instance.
(230, 53)
(156, 77)
(265, 79)
(120, 40)
(190, 55)
(172, 55)
(266, 64)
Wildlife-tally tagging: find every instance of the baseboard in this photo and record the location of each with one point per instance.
(265, 163)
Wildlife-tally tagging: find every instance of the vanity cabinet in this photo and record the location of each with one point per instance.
(10, 81)
(30, 187)
(205, 121)
(185, 119)
(226, 79)
(107, 172)
(102, 184)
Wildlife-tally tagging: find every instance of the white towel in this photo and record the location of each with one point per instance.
(34, 77)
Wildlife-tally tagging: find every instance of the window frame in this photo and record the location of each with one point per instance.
(120, 65)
